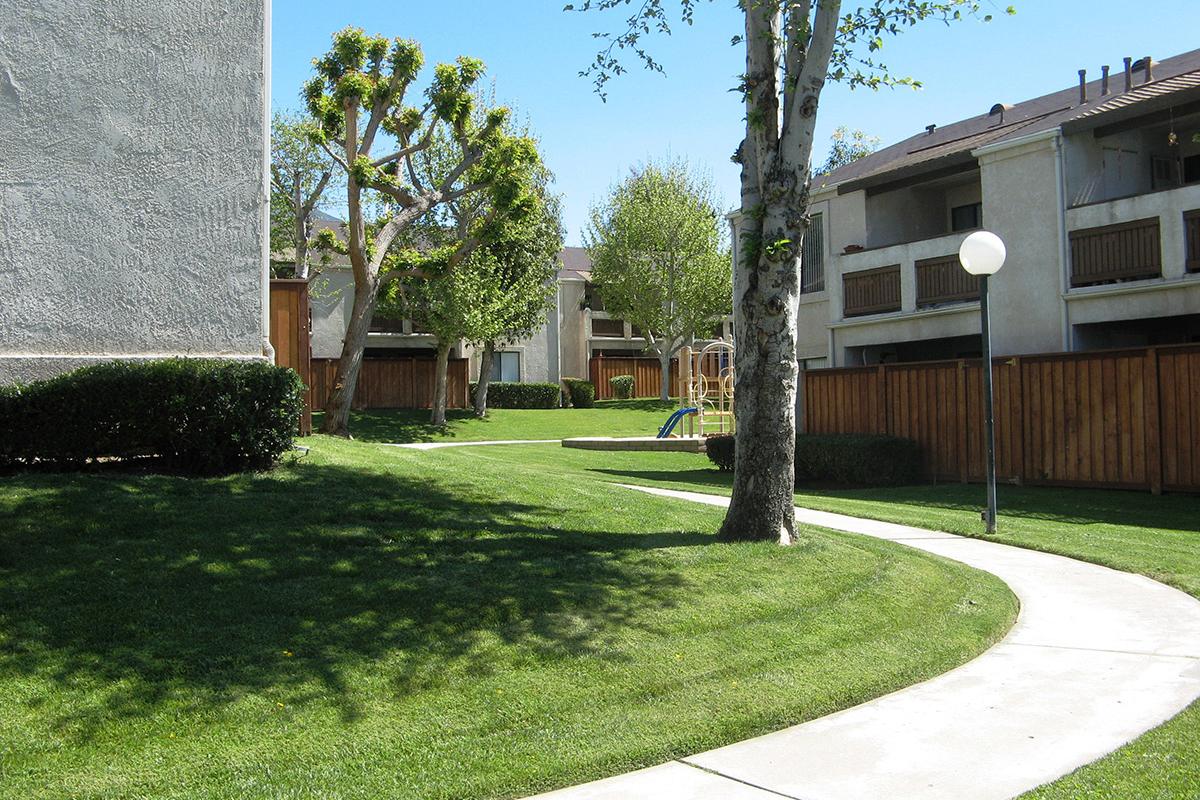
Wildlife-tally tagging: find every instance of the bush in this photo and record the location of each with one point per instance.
(199, 416)
(503, 394)
(720, 451)
(581, 393)
(842, 458)
(622, 386)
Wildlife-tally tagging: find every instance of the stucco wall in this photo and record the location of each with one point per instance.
(132, 202)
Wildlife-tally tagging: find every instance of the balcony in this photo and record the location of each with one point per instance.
(872, 291)
(1151, 236)
(914, 277)
(942, 280)
(1126, 251)
(608, 328)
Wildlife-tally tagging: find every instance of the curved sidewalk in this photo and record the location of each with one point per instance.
(1096, 658)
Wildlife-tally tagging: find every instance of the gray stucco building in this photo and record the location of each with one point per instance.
(133, 182)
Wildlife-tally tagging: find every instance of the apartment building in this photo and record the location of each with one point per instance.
(1094, 189)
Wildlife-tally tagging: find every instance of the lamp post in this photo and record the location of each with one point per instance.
(982, 254)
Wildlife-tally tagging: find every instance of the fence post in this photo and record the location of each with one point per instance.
(1154, 467)
(963, 418)
(881, 421)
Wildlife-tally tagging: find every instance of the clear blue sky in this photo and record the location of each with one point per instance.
(534, 52)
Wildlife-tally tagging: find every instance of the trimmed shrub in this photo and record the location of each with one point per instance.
(842, 458)
(720, 451)
(199, 416)
(622, 386)
(581, 393)
(859, 459)
(504, 394)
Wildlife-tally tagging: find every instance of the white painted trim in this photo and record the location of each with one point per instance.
(1029, 138)
(897, 316)
(1132, 287)
(265, 199)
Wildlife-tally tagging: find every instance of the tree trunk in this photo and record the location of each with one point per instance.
(485, 377)
(299, 231)
(664, 388)
(337, 407)
(438, 413)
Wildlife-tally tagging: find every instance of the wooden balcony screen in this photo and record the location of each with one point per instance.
(1191, 230)
(608, 327)
(943, 280)
(1126, 251)
(872, 291)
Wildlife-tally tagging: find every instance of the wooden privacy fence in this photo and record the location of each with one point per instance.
(392, 383)
(289, 332)
(646, 372)
(1125, 419)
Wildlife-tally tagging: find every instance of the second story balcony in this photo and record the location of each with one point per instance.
(911, 277)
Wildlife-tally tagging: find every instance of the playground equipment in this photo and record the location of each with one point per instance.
(705, 390)
(705, 405)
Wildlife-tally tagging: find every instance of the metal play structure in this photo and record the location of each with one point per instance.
(705, 392)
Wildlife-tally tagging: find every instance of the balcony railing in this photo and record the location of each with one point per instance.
(381, 325)
(1191, 230)
(1122, 252)
(943, 280)
(608, 327)
(871, 291)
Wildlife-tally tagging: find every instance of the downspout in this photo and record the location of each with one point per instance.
(1064, 255)
(268, 351)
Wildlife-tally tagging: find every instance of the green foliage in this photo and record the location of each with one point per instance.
(848, 459)
(200, 416)
(659, 256)
(582, 393)
(507, 394)
(846, 146)
(622, 386)
(720, 450)
(858, 459)
(299, 168)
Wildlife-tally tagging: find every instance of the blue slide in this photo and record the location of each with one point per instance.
(673, 420)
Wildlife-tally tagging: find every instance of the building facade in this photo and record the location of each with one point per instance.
(1095, 191)
(133, 210)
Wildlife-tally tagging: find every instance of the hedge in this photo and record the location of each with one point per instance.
(842, 458)
(502, 394)
(622, 386)
(582, 393)
(198, 416)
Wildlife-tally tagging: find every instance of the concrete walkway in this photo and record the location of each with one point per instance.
(438, 445)
(1096, 658)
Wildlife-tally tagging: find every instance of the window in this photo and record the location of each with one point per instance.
(966, 218)
(506, 367)
(812, 257)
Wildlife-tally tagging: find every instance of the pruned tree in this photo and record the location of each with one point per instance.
(658, 258)
(847, 146)
(793, 47)
(357, 100)
(300, 176)
(521, 260)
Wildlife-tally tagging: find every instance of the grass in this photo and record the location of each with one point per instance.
(370, 622)
(608, 418)
(1133, 531)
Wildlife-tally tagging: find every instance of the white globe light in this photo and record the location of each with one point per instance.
(982, 253)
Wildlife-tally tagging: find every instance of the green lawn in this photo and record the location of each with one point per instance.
(1133, 531)
(371, 622)
(608, 418)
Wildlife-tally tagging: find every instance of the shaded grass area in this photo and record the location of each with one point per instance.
(608, 418)
(366, 622)
(1133, 531)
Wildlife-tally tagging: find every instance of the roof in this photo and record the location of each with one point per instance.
(948, 149)
(576, 264)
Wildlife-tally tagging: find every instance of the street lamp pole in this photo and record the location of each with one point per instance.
(989, 516)
(982, 254)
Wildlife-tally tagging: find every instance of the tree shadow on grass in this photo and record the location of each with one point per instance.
(1075, 506)
(165, 590)
(402, 425)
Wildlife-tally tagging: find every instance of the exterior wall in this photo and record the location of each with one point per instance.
(572, 326)
(133, 184)
(330, 298)
(1022, 205)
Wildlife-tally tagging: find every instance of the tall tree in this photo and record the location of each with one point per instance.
(846, 146)
(792, 48)
(300, 175)
(359, 93)
(658, 259)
